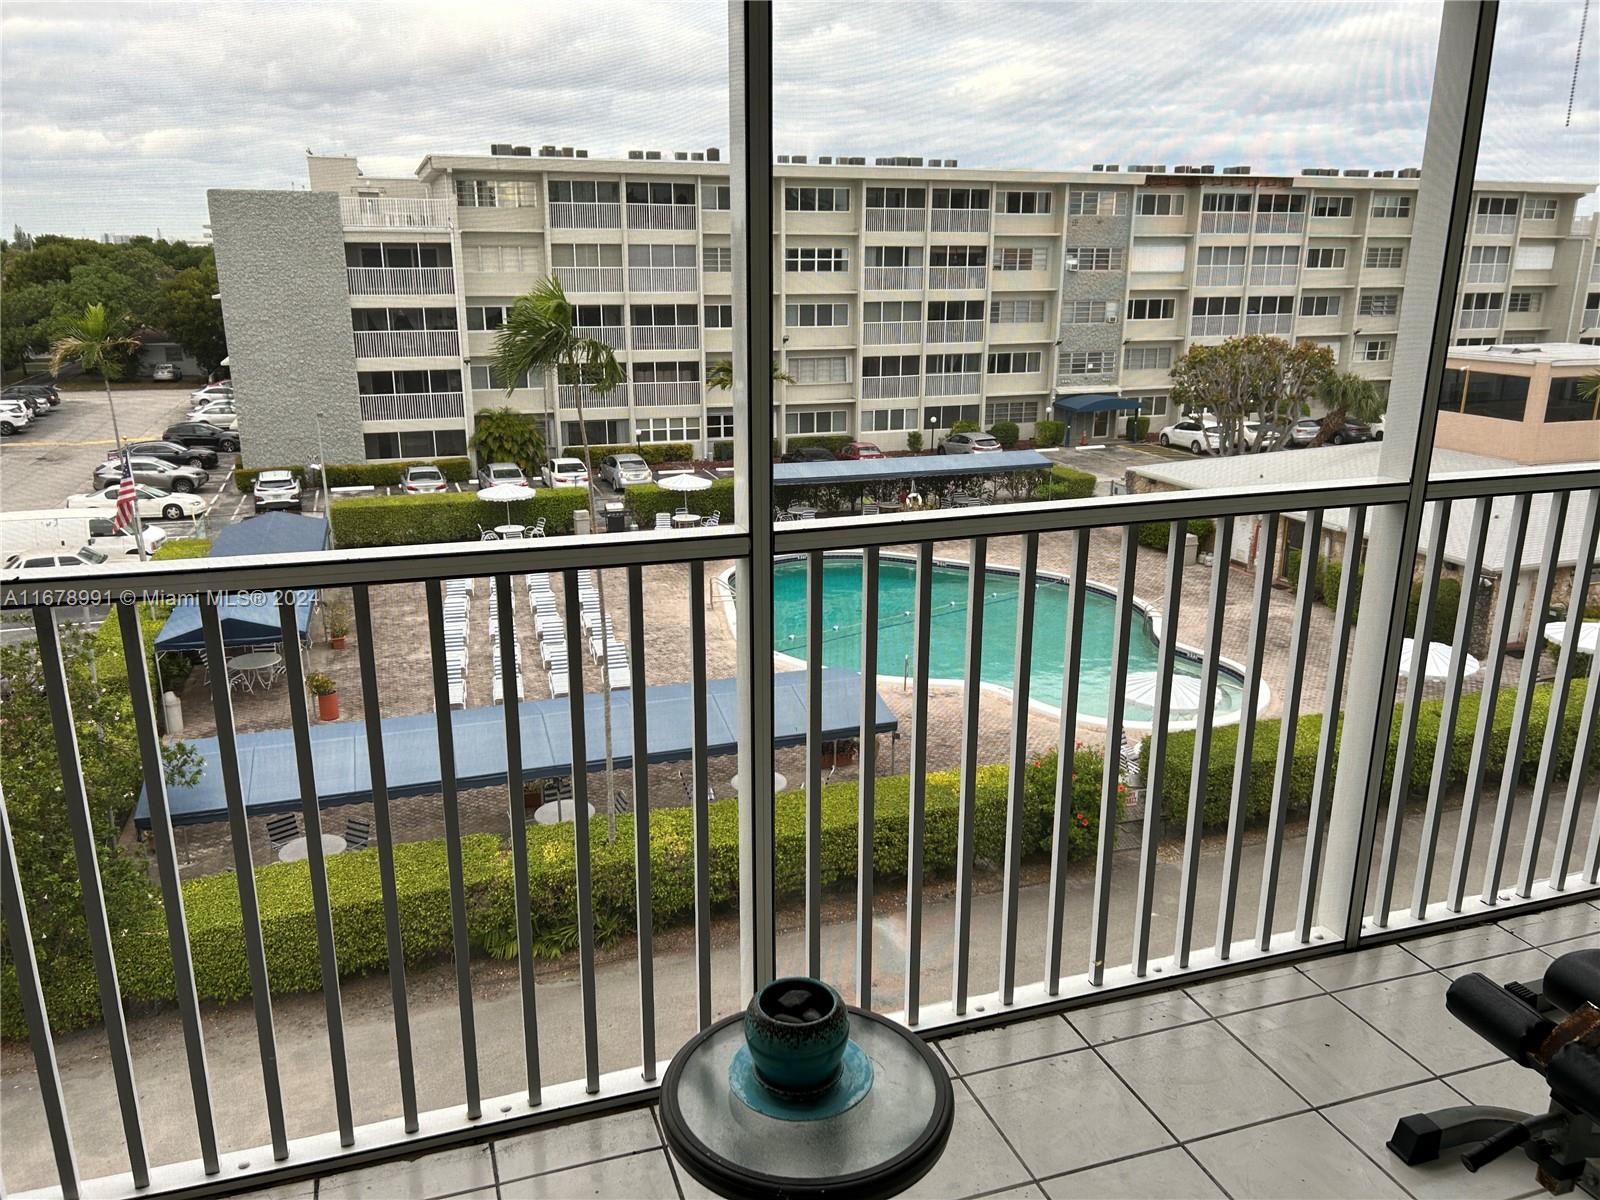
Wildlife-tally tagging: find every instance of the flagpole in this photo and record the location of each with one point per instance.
(116, 433)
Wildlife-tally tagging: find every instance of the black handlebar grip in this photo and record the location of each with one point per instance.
(1503, 1142)
(1574, 1075)
(1495, 1015)
(1574, 979)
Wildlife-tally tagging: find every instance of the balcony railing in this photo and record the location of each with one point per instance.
(1591, 318)
(590, 279)
(957, 278)
(394, 212)
(894, 220)
(665, 337)
(401, 281)
(1488, 272)
(1272, 323)
(568, 214)
(955, 331)
(1224, 222)
(1214, 326)
(894, 279)
(888, 387)
(1219, 276)
(1494, 223)
(661, 279)
(960, 220)
(891, 333)
(965, 383)
(612, 335)
(407, 343)
(1276, 222)
(1479, 318)
(661, 216)
(411, 406)
(658, 395)
(617, 397)
(1275, 274)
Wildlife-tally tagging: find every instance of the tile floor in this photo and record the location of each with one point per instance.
(1285, 1082)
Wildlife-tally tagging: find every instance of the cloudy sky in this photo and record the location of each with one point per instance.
(117, 117)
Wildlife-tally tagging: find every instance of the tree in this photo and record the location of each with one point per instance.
(1251, 378)
(1589, 389)
(186, 310)
(719, 374)
(540, 334)
(1347, 396)
(506, 435)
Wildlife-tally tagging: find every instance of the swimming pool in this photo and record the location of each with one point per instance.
(841, 620)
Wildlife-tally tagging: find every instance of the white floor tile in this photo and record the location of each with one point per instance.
(1135, 1016)
(1364, 966)
(442, 1173)
(1301, 1156)
(1165, 1175)
(626, 1178)
(1503, 1084)
(1411, 1013)
(974, 1160)
(1010, 1044)
(1240, 992)
(1554, 924)
(1323, 1050)
(1524, 966)
(560, 1146)
(1464, 945)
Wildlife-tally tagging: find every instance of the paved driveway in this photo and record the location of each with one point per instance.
(1111, 461)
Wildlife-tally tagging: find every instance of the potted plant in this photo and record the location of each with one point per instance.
(336, 620)
(326, 691)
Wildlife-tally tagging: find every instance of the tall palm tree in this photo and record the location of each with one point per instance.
(1348, 397)
(540, 334)
(100, 343)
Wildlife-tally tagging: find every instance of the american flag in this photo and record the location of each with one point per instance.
(127, 494)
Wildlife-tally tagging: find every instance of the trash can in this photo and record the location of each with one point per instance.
(580, 522)
(616, 516)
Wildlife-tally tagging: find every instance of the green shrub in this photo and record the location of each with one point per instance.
(378, 474)
(179, 548)
(914, 441)
(645, 500)
(654, 453)
(1138, 428)
(1446, 603)
(964, 427)
(445, 516)
(1319, 576)
(1048, 433)
(1154, 535)
(1006, 433)
(1066, 483)
(722, 451)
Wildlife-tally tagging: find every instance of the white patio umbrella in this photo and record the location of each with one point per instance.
(685, 484)
(1437, 665)
(1183, 692)
(1588, 635)
(506, 493)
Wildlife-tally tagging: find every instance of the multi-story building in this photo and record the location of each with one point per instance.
(908, 294)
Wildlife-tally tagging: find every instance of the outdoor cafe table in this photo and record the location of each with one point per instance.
(557, 810)
(257, 666)
(296, 849)
(511, 532)
(685, 520)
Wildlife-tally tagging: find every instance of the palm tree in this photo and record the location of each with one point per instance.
(539, 334)
(1589, 389)
(1348, 397)
(719, 374)
(99, 343)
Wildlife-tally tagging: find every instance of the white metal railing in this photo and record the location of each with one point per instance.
(960, 220)
(395, 212)
(1591, 318)
(661, 279)
(665, 337)
(401, 281)
(661, 216)
(1479, 318)
(1224, 222)
(1594, 271)
(888, 387)
(1494, 223)
(658, 395)
(1214, 326)
(617, 397)
(407, 343)
(1270, 323)
(964, 383)
(614, 336)
(590, 279)
(1495, 272)
(1219, 276)
(569, 214)
(955, 331)
(894, 279)
(894, 220)
(410, 406)
(891, 333)
(1276, 222)
(957, 278)
(1275, 274)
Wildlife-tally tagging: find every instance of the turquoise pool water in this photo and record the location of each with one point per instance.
(841, 619)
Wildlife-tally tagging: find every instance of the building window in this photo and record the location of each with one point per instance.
(1282, 202)
(667, 429)
(662, 316)
(1539, 208)
(1159, 204)
(1486, 394)
(585, 254)
(1225, 202)
(485, 316)
(641, 192)
(583, 191)
(955, 310)
(885, 420)
(1094, 258)
(1373, 350)
(896, 197)
(1325, 258)
(1480, 302)
(1146, 358)
(1391, 207)
(1474, 341)
(1153, 405)
(822, 420)
(719, 316)
(1088, 312)
(808, 316)
(1020, 412)
(1333, 206)
(392, 383)
(486, 377)
(958, 256)
(1567, 403)
(964, 198)
(496, 193)
(1385, 258)
(666, 372)
(1016, 312)
(1021, 258)
(1089, 202)
(1319, 306)
(1497, 206)
(493, 257)
(718, 259)
(1013, 362)
(1085, 362)
(819, 258)
(716, 197)
(1518, 338)
(1524, 302)
(1488, 264)
(719, 423)
(1219, 266)
(952, 364)
(1024, 202)
(816, 199)
(876, 312)
(1151, 308)
(819, 368)
(1379, 304)
(876, 366)
(943, 416)
(894, 256)
(417, 443)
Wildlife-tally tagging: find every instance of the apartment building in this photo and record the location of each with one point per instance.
(909, 294)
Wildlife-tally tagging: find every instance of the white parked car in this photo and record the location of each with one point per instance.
(212, 391)
(565, 472)
(970, 443)
(154, 504)
(619, 470)
(220, 413)
(14, 416)
(1193, 435)
(87, 556)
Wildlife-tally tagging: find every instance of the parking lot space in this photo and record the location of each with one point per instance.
(1110, 462)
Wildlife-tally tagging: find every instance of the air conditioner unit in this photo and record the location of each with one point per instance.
(500, 148)
(713, 154)
(1383, 174)
(582, 153)
(636, 155)
(680, 156)
(797, 158)
(652, 155)
(566, 152)
(547, 152)
(950, 162)
(1357, 173)
(522, 151)
(1112, 167)
(1409, 173)
(783, 158)
(1236, 170)
(825, 159)
(697, 156)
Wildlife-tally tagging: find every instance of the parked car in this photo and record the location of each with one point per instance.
(220, 413)
(276, 490)
(1304, 431)
(970, 443)
(420, 480)
(154, 503)
(154, 471)
(501, 472)
(166, 372)
(48, 390)
(222, 390)
(1352, 432)
(202, 433)
(85, 557)
(1194, 435)
(564, 472)
(35, 404)
(15, 416)
(805, 454)
(860, 452)
(173, 452)
(619, 470)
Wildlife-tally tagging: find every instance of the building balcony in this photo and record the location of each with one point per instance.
(1274, 275)
(1214, 326)
(567, 395)
(665, 337)
(1224, 222)
(893, 279)
(590, 279)
(1494, 224)
(661, 216)
(1277, 324)
(891, 333)
(1275, 222)
(1216, 277)
(395, 212)
(661, 279)
(664, 395)
(889, 387)
(960, 220)
(401, 281)
(955, 331)
(1021, 281)
(1478, 318)
(411, 406)
(614, 336)
(407, 343)
(957, 279)
(1488, 272)
(567, 214)
(965, 383)
(894, 220)
(1591, 318)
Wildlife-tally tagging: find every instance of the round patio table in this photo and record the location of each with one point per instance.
(511, 532)
(879, 1146)
(552, 811)
(779, 783)
(685, 520)
(257, 667)
(296, 849)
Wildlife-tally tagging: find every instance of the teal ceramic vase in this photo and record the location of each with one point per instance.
(796, 1029)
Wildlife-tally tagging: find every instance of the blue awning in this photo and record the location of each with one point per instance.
(1094, 402)
(872, 470)
(270, 783)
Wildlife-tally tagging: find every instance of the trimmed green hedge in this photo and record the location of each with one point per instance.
(288, 925)
(179, 548)
(654, 453)
(1048, 433)
(1264, 754)
(1138, 428)
(645, 500)
(445, 516)
(721, 451)
(1006, 433)
(1155, 534)
(1066, 483)
(378, 474)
